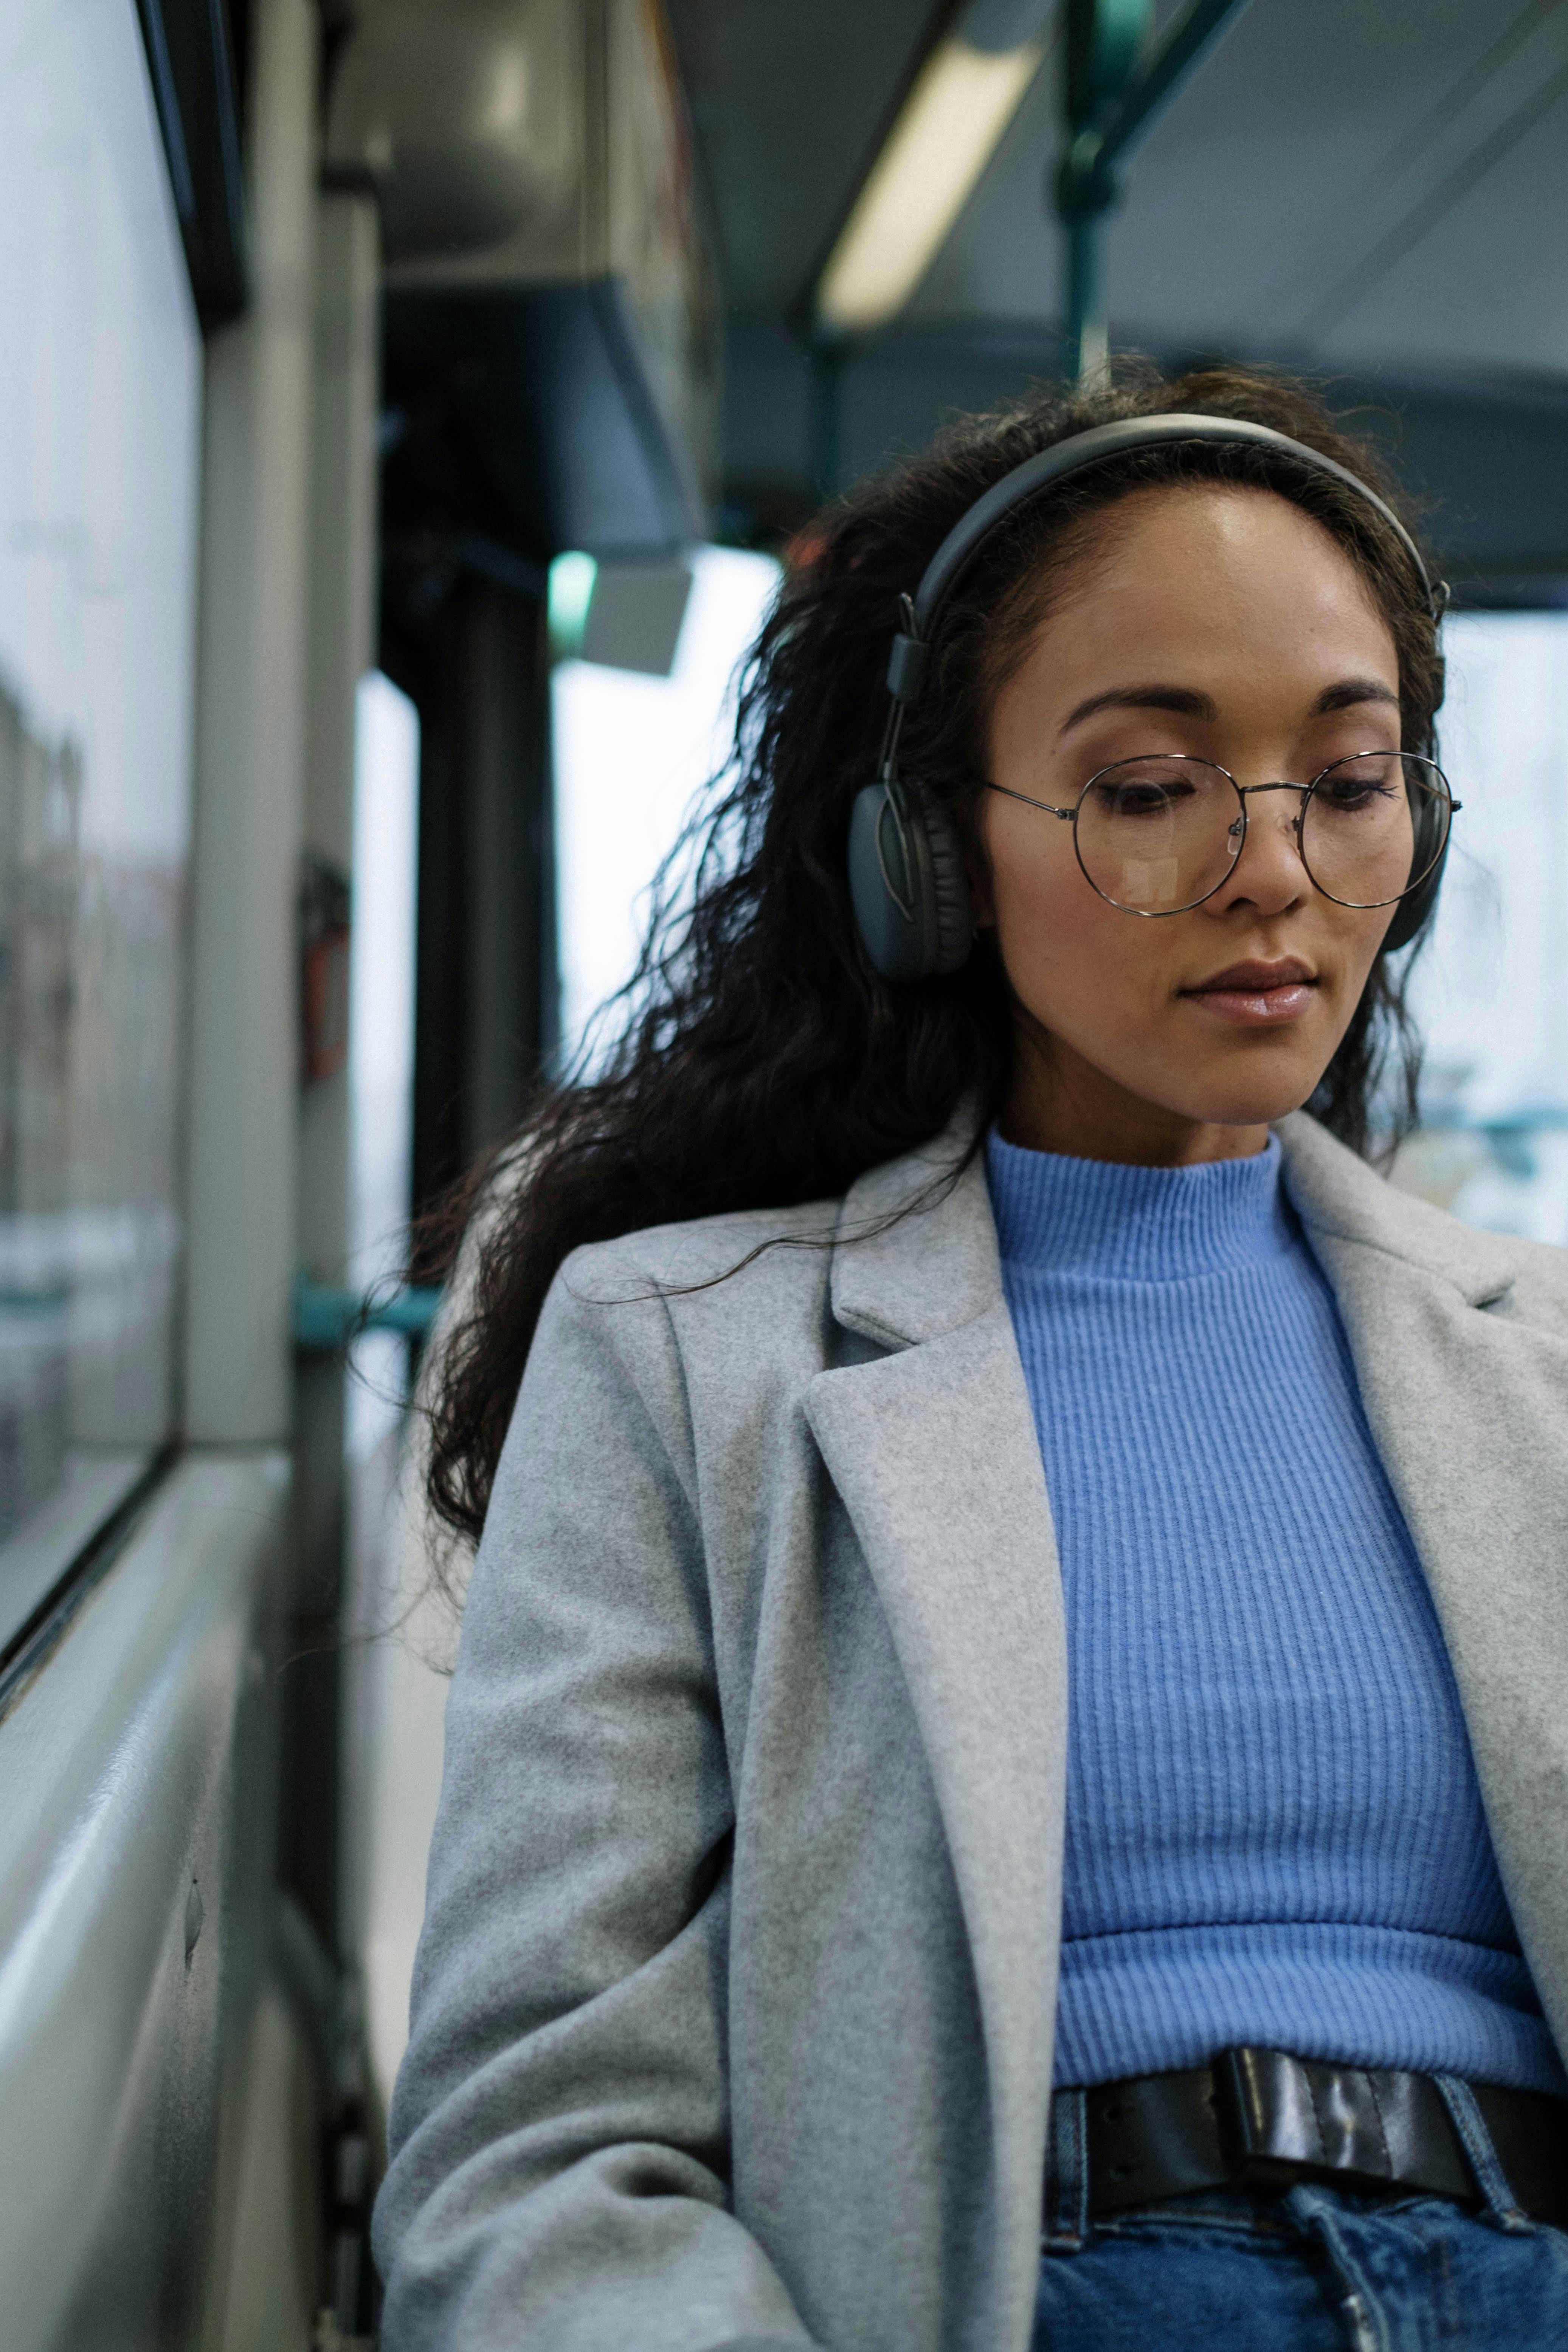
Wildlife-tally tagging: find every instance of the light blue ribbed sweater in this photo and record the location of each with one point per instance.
(1273, 1831)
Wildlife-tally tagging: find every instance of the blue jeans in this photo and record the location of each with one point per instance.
(1318, 2269)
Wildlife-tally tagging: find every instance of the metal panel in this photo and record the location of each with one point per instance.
(552, 321)
(487, 1011)
(190, 59)
(535, 402)
(136, 1850)
(251, 752)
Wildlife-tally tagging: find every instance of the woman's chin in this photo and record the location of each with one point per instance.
(1248, 1104)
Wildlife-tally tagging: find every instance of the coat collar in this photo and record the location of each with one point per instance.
(915, 1253)
(1340, 1199)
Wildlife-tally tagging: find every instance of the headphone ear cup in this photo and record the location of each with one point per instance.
(953, 919)
(907, 884)
(1411, 914)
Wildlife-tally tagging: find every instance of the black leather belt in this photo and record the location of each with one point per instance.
(1258, 2117)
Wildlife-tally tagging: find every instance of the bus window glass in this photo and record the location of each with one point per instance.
(1486, 990)
(100, 391)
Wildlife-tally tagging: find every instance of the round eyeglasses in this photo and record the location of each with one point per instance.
(1158, 834)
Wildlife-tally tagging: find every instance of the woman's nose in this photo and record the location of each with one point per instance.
(1269, 872)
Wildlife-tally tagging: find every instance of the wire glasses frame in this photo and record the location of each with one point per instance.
(1430, 838)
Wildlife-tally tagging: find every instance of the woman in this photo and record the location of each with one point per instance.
(1018, 1567)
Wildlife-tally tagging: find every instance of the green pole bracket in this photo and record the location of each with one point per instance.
(328, 1320)
(1103, 41)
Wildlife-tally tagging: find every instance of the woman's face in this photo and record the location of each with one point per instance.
(1224, 624)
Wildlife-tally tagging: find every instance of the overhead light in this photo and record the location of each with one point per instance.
(950, 125)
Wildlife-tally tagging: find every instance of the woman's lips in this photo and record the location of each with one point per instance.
(1256, 995)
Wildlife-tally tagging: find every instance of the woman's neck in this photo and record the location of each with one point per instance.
(1059, 1102)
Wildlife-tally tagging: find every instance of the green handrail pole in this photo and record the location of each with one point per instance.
(1103, 39)
(1085, 338)
(1109, 103)
(1192, 35)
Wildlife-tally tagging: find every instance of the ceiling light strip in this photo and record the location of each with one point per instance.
(946, 133)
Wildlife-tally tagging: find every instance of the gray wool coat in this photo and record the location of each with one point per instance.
(732, 2019)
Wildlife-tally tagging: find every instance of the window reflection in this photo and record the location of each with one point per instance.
(99, 383)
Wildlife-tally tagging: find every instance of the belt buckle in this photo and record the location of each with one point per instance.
(1280, 2116)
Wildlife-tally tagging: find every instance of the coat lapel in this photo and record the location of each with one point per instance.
(1462, 1358)
(932, 1449)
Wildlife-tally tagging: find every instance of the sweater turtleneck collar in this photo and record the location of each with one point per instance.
(1136, 1225)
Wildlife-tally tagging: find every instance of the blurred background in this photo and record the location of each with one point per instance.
(405, 409)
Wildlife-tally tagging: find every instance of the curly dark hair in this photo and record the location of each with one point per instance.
(761, 1063)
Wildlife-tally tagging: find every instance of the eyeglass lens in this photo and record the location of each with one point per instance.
(1159, 833)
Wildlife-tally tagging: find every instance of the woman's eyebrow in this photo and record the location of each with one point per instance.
(1185, 701)
(1351, 690)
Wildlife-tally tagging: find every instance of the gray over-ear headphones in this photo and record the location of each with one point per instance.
(907, 875)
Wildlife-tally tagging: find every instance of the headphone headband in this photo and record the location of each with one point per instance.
(1078, 455)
